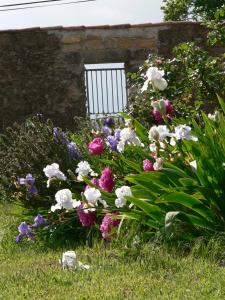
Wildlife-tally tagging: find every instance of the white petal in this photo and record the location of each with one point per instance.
(193, 165)
(145, 86)
(104, 203)
(56, 207)
(120, 202)
(48, 182)
(76, 204)
(82, 266)
(160, 84)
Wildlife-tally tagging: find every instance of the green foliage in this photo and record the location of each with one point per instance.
(176, 10)
(216, 28)
(180, 193)
(181, 10)
(193, 76)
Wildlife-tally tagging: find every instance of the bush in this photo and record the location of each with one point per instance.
(27, 148)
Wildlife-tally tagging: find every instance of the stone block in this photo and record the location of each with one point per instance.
(68, 39)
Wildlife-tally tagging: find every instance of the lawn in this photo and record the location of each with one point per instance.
(31, 271)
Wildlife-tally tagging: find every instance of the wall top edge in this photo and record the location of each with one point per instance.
(100, 27)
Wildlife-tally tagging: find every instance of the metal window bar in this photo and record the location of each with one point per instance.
(106, 91)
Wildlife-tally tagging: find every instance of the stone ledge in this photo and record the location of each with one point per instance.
(119, 26)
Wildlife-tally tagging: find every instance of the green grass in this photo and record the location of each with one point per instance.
(28, 271)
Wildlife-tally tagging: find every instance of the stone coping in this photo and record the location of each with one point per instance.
(119, 26)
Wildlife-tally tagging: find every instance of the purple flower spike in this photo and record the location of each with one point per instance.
(106, 130)
(55, 132)
(73, 150)
(112, 142)
(117, 133)
(64, 139)
(109, 121)
(39, 221)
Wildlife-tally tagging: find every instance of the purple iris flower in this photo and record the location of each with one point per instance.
(39, 221)
(112, 142)
(29, 181)
(55, 132)
(21, 181)
(109, 121)
(106, 130)
(73, 150)
(117, 133)
(64, 139)
(24, 230)
(32, 189)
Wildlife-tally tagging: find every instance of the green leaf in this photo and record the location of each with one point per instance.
(189, 202)
(154, 211)
(125, 116)
(188, 182)
(140, 192)
(141, 131)
(147, 185)
(178, 170)
(222, 104)
(131, 164)
(196, 221)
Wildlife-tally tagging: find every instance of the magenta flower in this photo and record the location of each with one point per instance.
(96, 146)
(148, 165)
(162, 108)
(169, 107)
(87, 218)
(95, 181)
(106, 181)
(157, 115)
(108, 223)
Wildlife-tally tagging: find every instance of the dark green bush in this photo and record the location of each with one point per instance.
(28, 148)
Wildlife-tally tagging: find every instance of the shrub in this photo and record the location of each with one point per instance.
(27, 148)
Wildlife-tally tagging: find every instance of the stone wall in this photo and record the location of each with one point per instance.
(42, 70)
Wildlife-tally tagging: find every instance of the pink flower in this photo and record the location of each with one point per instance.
(96, 147)
(162, 108)
(157, 115)
(108, 223)
(86, 218)
(148, 165)
(106, 181)
(95, 181)
(169, 107)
